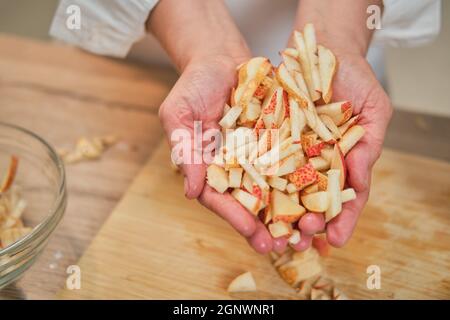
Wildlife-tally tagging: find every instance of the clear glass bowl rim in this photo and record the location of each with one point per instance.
(57, 210)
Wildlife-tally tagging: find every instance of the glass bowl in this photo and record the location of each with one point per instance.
(41, 179)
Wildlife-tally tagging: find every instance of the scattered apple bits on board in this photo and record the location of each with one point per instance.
(303, 272)
(12, 206)
(87, 149)
(285, 142)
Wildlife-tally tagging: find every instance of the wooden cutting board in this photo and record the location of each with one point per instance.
(157, 245)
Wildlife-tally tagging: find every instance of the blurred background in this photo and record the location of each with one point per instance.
(417, 79)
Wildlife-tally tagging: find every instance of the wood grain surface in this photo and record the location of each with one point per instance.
(62, 93)
(157, 245)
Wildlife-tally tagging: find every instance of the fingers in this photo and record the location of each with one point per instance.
(280, 244)
(311, 223)
(229, 209)
(261, 240)
(304, 243)
(340, 229)
(194, 179)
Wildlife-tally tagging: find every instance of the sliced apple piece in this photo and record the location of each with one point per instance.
(340, 112)
(348, 195)
(10, 174)
(316, 202)
(327, 153)
(247, 182)
(338, 162)
(280, 229)
(298, 77)
(290, 85)
(314, 150)
(272, 107)
(294, 238)
(242, 283)
(263, 88)
(291, 188)
(278, 183)
(249, 201)
(347, 125)
(327, 69)
(294, 196)
(217, 178)
(291, 62)
(350, 138)
(319, 163)
(283, 167)
(295, 271)
(284, 209)
(311, 46)
(235, 177)
(329, 123)
(257, 178)
(296, 125)
(308, 140)
(334, 194)
(311, 189)
(304, 176)
(322, 183)
(305, 64)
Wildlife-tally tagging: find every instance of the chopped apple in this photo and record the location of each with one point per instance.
(347, 125)
(291, 188)
(277, 183)
(272, 107)
(8, 179)
(296, 126)
(327, 153)
(329, 123)
(314, 150)
(291, 62)
(266, 214)
(304, 176)
(294, 238)
(249, 201)
(319, 163)
(311, 189)
(327, 69)
(280, 229)
(348, 195)
(283, 208)
(350, 138)
(311, 46)
(294, 197)
(263, 88)
(235, 177)
(242, 283)
(253, 110)
(316, 202)
(334, 194)
(290, 85)
(322, 183)
(340, 112)
(298, 76)
(295, 271)
(257, 178)
(338, 162)
(308, 140)
(283, 167)
(250, 77)
(247, 182)
(305, 64)
(217, 178)
(291, 52)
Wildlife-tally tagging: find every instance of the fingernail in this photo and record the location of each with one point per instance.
(186, 186)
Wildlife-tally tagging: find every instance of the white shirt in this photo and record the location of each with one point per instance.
(116, 27)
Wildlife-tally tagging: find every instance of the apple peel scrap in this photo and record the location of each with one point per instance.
(293, 138)
(12, 207)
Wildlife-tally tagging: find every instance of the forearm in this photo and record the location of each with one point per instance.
(340, 25)
(196, 29)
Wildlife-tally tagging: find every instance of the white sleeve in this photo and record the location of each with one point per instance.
(407, 23)
(107, 27)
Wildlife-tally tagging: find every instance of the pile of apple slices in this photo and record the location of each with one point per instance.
(284, 142)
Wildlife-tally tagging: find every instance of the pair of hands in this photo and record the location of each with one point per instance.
(200, 94)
